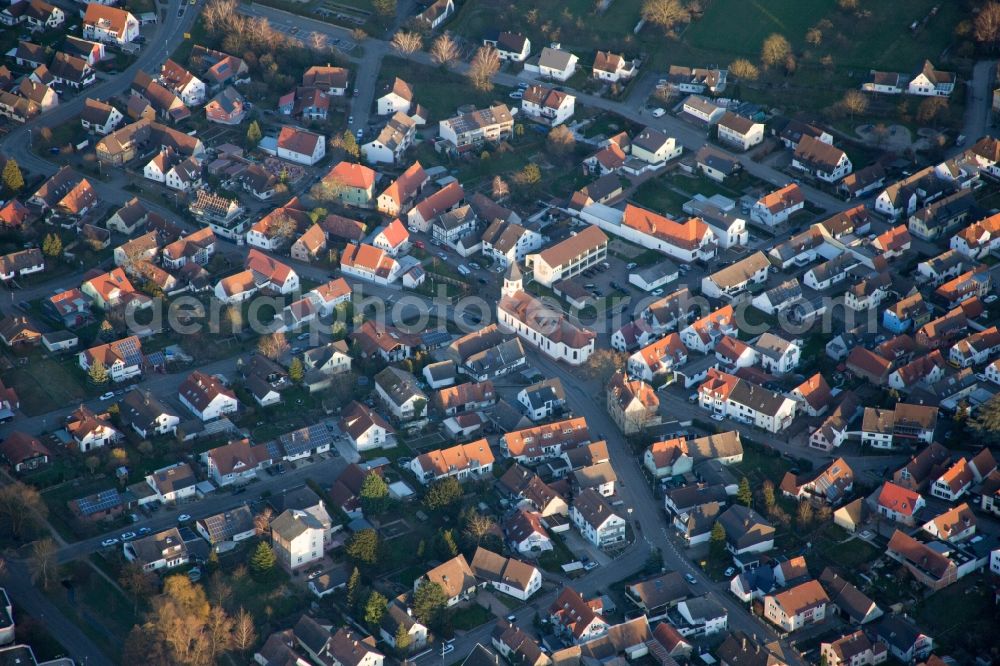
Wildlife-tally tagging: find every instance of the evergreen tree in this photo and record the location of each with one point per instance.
(350, 145)
(443, 493)
(428, 601)
(374, 494)
(403, 639)
(717, 542)
(254, 134)
(295, 370)
(52, 245)
(98, 373)
(375, 609)
(446, 546)
(353, 585)
(744, 495)
(263, 560)
(363, 547)
(12, 178)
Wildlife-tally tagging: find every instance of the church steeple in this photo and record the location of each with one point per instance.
(512, 280)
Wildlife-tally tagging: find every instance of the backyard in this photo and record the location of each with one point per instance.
(440, 91)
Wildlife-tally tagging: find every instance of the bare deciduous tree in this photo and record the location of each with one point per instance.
(478, 526)
(21, 505)
(43, 563)
(744, 70)
(500, 188)
(665, 13)
(775, 50)
(931, 109)
(244, 634)
(484, 65)
(262, 521)
(814, 36)
(986, 27)
(407, 43)
(272, 345)
(854, 102)
(444, 50)
(317, 41)
(218, 15)
(561, 141)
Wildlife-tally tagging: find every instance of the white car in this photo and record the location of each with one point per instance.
(990, 299)
(183, 518)
(658, 112)
(590, 566)
(657, 292)
(718, 417)
(108, 395)
(109, 542)
(630, 265)
(517, 94)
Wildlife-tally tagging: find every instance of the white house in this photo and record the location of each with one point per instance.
(820, 159)
(207, 397)
(164, 550)
(392, 141)
(702, 109)
(931, 82)
(301, 146)
(612, 67)
(547, 105)
(462, 461)
(739, 131)
(554, 63)
(297, 538)
(775, 208)
(596, 520)
(365, 428)
(511, 46)
(397, 96)
(109, 24)
(173, 483)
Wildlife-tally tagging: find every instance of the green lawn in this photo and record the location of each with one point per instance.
(442, 92)
(881, 40)
(470, 617)
(44, 382)
(959, 616)
(758, 466)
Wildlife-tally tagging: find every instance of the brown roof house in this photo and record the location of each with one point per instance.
(455, 578)
(235, 462)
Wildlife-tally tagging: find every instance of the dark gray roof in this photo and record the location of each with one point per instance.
(223, 526)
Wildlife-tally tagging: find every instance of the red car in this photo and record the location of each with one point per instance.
(418, 243)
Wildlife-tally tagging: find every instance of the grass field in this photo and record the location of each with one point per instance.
(442, 92)
(44, 382)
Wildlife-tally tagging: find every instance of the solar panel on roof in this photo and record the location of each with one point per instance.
(102, 501)
(305, 439)
(130, 351)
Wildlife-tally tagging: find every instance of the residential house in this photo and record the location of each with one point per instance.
(392, 141)
(173, 483)
(954, 525)
(397, 96)
(511, 46)
(898, 504)
(737, 277)
(395, 200)
(122, 359)
(297, 538)
(854, 649)
(146, 414)
(207, 397)
(300, 146)
(163, 550)
(228, 107)
(932, 82)
(112, 25)
(797, 607)
(547, 105)
(928, 566)
(512, 577)
(821, 160)
(852, 603)
(702, 110)
(470, 130)
(775, 208)
(354, 183)
(612, 67)
(597, 521)
(455, 578)
(633, 405)
(229, 527)
(91, 430)
(23, 452)
(554, 63)
(739, 131)
(830, 484)
(575, 619)
(236, 462)
(99, 117)
(887, 429)
(747, 532)
(462, 461)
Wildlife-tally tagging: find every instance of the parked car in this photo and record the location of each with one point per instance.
(108, 395)
(107, 543)
(990, 299)
(691, 579)
(590, 566)
(143, 531)
(630, 265)
(658, 112)
(127, 536)
(718, 417)
(517, 94)
(657, 292)
(729, 572)
(183, 518)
